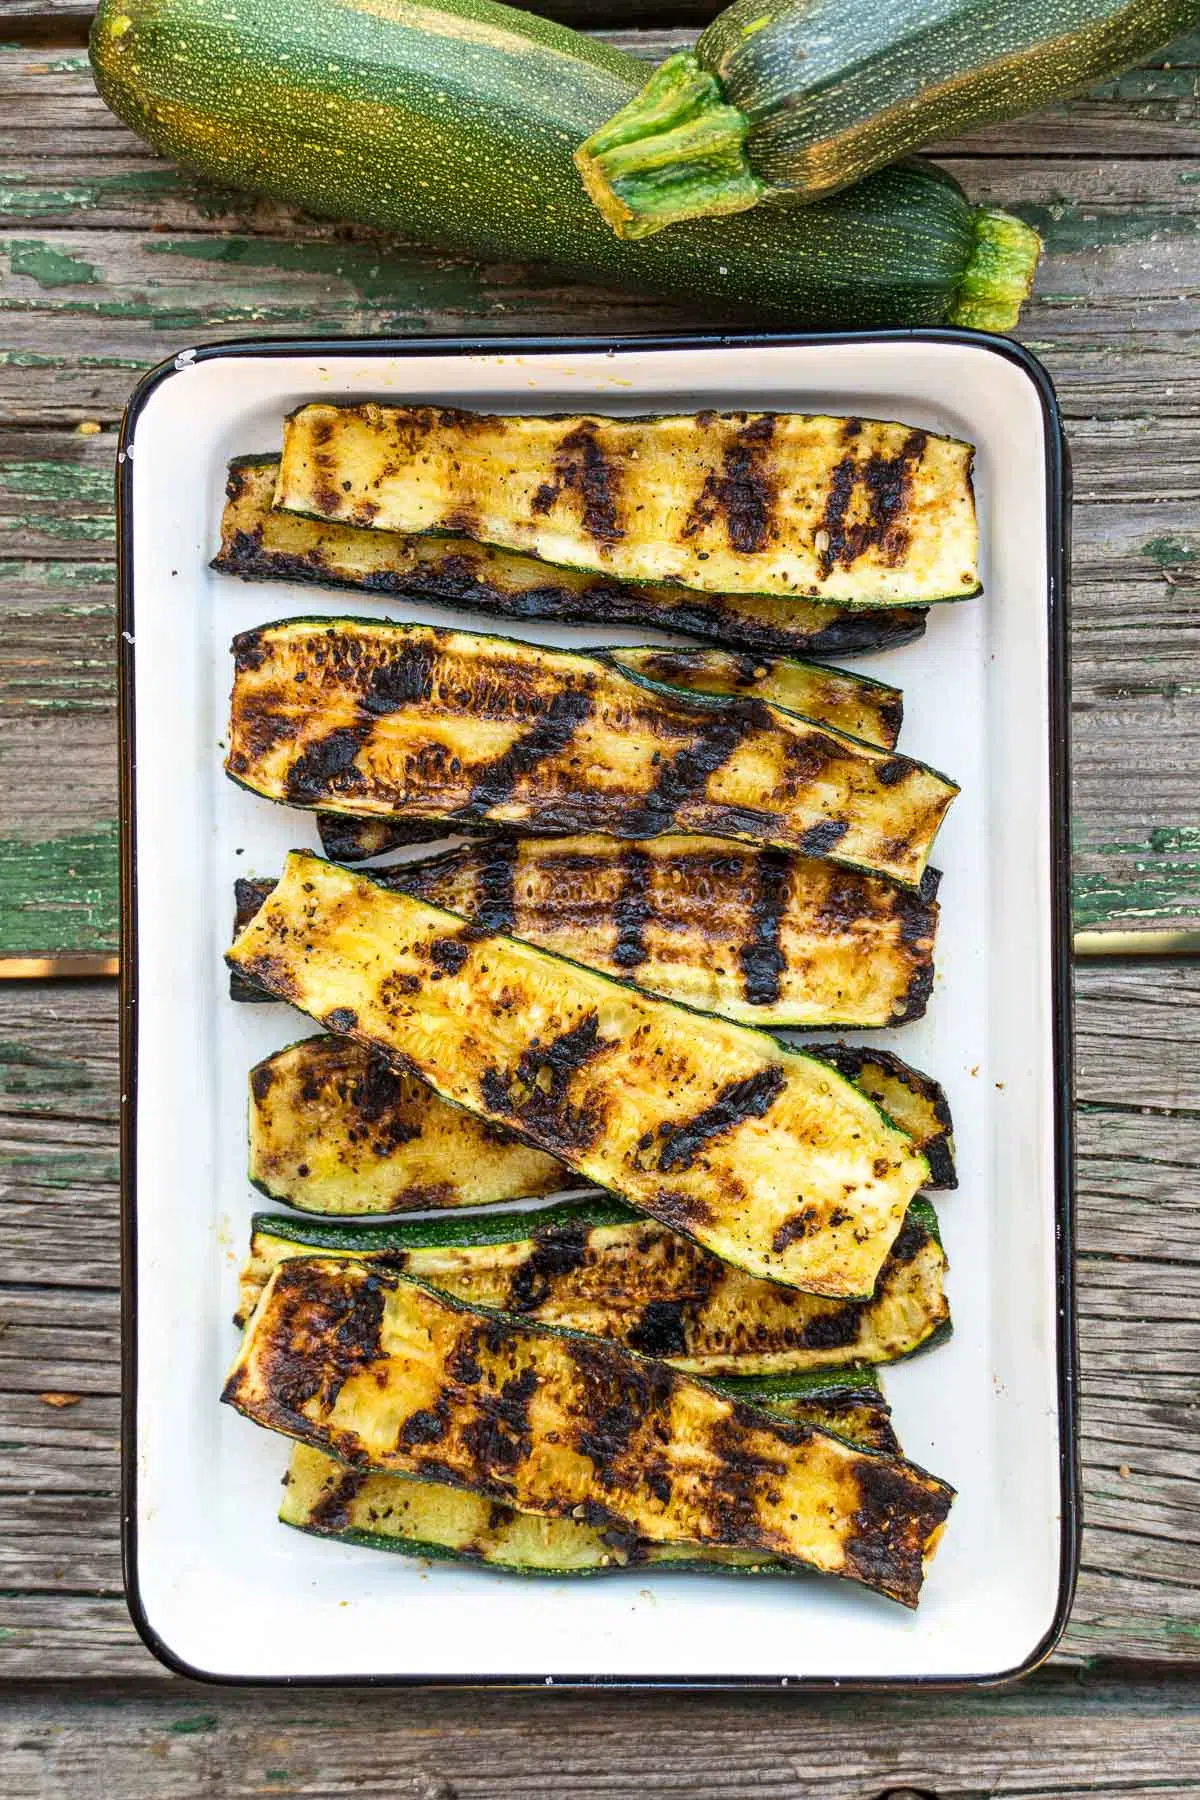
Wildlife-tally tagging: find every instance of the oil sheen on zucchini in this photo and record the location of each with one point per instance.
(754, 935)
(387, 1374)
(854, 511)
(335, 1129)
(377, 719)
(427, 1518)
(596, 1266)
(259, 543)
(764, 1155)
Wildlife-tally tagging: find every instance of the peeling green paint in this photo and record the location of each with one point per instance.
(49, 267)
(24, 1073)
(1168, 552)
(61, 1173)
(1156, 877)
(378, 275)
(1064, 227)
(47, 480)
(59, 895)
(59, 574)
(197, 1722)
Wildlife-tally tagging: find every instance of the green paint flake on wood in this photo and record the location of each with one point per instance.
(49, 267)
(197, 1722)
(58, 574)
(60, 895)
(1064, 228)
(24, 1074)
(1157, 878)
(61, 1173)
(1169, 552)
(56, 481)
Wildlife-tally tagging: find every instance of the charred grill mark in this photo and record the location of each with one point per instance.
(894, 770)
(405, 679)
(342, 1018)
(327, 767)
(797, 1225)
(249, 652)
(760, 957)
(915, 998)
(262, 1080)
(346, 839)
(581, 464)
(499, 1437)
(557, 1251)
(887, 482)
(428, 1425)
(270, 972)
(548, 737)
(685, 777)
(820, 839)
(899, 1509)
(333, 1510)
(323, 1335)
(660, 1330)
(248, 899)
(682, 1211)
(449, 954)
(740, 1475)
(633, 910)
(751, 1098)
(835, 1329)
(536, 1095)
(909, 1241)
(744, 492)
(496, 903)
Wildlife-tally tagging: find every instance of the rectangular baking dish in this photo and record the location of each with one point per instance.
(217, 1587)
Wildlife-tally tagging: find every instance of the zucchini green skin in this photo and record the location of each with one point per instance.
(597, 1267)
(379, 719)
(764, 1155)
(416, 1518)
(789, 104)
(259, 543)
(385, 1373)
(452, 124)
(752, 935)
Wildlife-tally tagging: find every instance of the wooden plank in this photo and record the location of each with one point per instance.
(1045, 1740)
(1139, 1144)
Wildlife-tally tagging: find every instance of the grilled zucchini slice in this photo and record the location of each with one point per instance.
(385, 1373)
(597, 1267)
(756, 935)
(335, 1128)
(261, 544)
(426, 1518)
(844, 510)
(765, 1155)
(354, 717)
(855, 704)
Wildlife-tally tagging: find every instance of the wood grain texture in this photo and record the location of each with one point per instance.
(1054, 1737)
(1139, 1152)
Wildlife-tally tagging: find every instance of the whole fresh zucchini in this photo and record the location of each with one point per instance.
(595, 1266)
(766, 1156)
(260, 543)
(385, 1373)
(452, 123)
(430, 1519)
(754, 935)
(802, 98)
(854, 511)
(334, 1129)
(375, 719)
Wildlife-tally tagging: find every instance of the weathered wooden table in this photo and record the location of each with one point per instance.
(109, 260)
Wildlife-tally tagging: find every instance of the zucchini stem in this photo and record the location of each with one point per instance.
(999, 273)
(676, 151)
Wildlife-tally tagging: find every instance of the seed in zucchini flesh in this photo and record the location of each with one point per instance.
(764, 1155)
(386, 1374)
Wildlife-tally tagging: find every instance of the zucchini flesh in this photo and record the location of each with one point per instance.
(766, 1156)
(844, 510)
(796, 103)
(599, 1268)
(384, 1373)
(911, 1099)
(452, 124)
(855, 704)
(753, 935)
(348, 716)
(337, 1129)
(426, 1518)
(261, 544)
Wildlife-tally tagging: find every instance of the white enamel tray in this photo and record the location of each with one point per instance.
(216, 1585)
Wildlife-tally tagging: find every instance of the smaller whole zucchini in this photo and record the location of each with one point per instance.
(790, 102)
